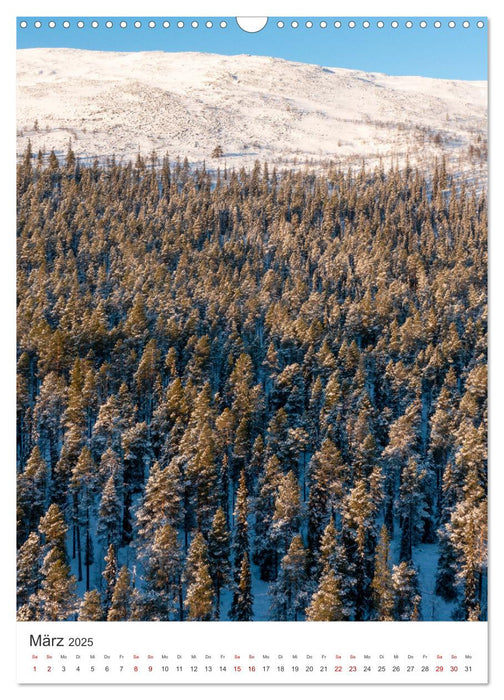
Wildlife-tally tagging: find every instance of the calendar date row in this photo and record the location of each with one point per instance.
(282, 668)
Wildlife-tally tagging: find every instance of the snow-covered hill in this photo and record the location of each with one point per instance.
(255, 107)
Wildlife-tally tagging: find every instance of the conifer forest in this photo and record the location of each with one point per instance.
(250, 394)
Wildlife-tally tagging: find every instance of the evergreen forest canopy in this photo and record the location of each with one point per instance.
(245, 381)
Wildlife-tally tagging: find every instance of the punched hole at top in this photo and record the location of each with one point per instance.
(252, 24)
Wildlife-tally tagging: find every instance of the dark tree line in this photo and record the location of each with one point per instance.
(251, 373)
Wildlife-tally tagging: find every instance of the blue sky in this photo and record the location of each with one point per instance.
(443, 52)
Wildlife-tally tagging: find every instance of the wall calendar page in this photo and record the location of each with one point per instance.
(251, 350)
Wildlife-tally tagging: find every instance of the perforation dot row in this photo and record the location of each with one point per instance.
(352, 24)
(80, 24)
(380, 24)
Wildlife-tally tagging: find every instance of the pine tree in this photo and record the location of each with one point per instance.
(197, 554)
(467, 530)
(32, 493)
(242, 605)
(328, 554)
(28, 569)
(90, 609)
(120, 606)
(327, 484)
(110, 576)
(240, 539)
(264, 506)
(199, 599)
(82, 484)
(278, 429)
(202, 474)
(54, 529)
(163, 575)
(358, 538)
(403, 444)
(406, 594)
(287, 513)
(109, 515)
(160, 505)
(289, 594)
(411, 507)
(218, 555)
(383, 592)
(326, 602)
(56, 597)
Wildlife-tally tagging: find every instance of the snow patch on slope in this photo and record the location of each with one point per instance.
(256, 107)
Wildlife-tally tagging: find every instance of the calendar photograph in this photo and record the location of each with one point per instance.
(251, 321)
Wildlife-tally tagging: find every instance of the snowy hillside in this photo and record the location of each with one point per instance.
(255, 107)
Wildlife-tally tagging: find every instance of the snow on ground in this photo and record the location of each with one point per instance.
(425, 557)
(261, 600)
(256, 107)
(425, 560)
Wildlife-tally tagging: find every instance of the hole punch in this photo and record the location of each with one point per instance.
(252, 25)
